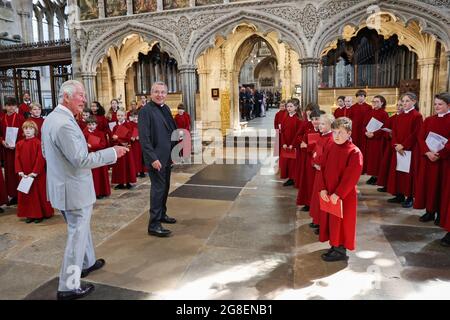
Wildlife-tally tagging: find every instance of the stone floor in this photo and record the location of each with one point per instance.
(238, 236)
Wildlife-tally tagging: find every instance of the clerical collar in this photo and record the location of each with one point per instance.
(407, 111)
(440, 115)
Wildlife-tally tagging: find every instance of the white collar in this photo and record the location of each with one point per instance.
(118, 122)
(65, 109)
(404, 111)
(326, 132)
(342, 107)
(291, 115)
(443, 114)
(89, 130)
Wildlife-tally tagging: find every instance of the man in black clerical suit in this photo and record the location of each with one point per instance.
(156, 126)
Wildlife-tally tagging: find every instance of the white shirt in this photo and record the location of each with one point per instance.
(407, 111)
(440, 115)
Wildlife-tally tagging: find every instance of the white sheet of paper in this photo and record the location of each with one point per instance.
(374, 125)
(386, 129)
(25, 184)
(11, 136)
(112, 125)
(404, 162)
(435, 142)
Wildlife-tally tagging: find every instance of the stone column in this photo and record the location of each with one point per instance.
(51, 30)
(89, 86)
(310, 80)
(426, 76)
(204, 96)
(187, 73)
(101, 9)
(40, 27)
(129, 7)
(119, 88)
(159, 5)
(62, 33)
(448, 71)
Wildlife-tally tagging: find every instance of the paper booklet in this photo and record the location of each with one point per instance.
(334, 209)
(435, 142)
(404, 162)
(374, 125)
(112, 125)
(25, 184)
(11, 136)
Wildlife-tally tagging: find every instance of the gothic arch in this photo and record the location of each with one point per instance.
(431, 21)
(114, 37)
(265, 23)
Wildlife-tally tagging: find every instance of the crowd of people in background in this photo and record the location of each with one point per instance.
(255, 103)
(323, 155)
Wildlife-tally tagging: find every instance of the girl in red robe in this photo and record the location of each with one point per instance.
(289, 127)
(14, 120)
(405, 133)
(358, 114)
(324, 142)
(35, 116)
(430, 172)
(102, 122)
(99, 175)
(343, 109)
(279, 116)
(30, 162)
(136, 148)
(112, 112)
(124, 170)
(374, 140)
(306, 179)
(182, 119)
(385, 164)
(342, 166)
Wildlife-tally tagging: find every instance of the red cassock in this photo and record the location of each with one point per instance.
(28, 160)
(342, 112)
(445, 189)
(322, 146)
(183, 121)
(385, 164)
(129, 112)
(429, 175)
(136, 149)
(342, 166)
(358, 115)
(279, 116)
(24, 109)
(39, 121)
(300, 161)
(113, 116)
(289, 128)
(99, 175)
(11, 178)
(405, 131)
(124, 170)
(374, 146)
(307, 175)
(82, 124)
(103, 126)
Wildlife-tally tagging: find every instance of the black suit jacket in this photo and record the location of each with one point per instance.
(155, 132)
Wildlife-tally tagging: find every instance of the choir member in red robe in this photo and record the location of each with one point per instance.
(343, 109)
(342, 166)
(24, 107)
(102, 122)
(136, 148)
(112, 112)
(15, 120)
(133, 108)
(124, 170)
(82, 122)
(289, 127)
(279, 116)
(96, 140)
(182, 119)
(358, 114)
(35, 116)
(428, 192)
(29, 162)
(306, 182)
(445, 191)
(374, 140)
(385, 164)
(325, 141)
(405, 133)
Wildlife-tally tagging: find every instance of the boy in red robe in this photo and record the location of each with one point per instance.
(374, 140)
(279, 116)
(405, 134)
(84, 116)
(358, 114)
(306, 179)
(325, 141)
(445, 190)
(385, 164)
(136, 148)
(124, 170)
(182, 119)
(102, 122)
(342, 166)
(133, 108)
(96, 141)
(24, 107)
(29, 162)
(343, 109)
(12, 119)
(289, 127)
(35, 116)
(430, 170)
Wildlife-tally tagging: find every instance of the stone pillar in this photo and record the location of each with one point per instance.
(51, 29)
(62, 33)
(89, 86)
(101, 9)
(310, 80)
(119, 88)
(448, 71)
(159, 5)
(40, 27)
(187, 73)
(426, 76)
(129, 7)
(204, 96)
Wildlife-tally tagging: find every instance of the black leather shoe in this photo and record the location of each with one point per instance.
(317, 230)
(334, 256)
(81, 292)
(159, 232)
(408, 203)
(437, 221)
(305, 208)
(427, 217)
(382, 189)
(313, 225)
(445, 241)
(119, 187)
(142, 175)
(12, 202)
(97, 265)
(372, 181)
(130, 186)
(288, 183)
(1, 210)
(167, 219)
(397, 199)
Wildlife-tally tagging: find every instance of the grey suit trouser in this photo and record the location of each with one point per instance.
(79, 253)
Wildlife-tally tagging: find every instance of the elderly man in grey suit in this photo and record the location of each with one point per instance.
(70, 187)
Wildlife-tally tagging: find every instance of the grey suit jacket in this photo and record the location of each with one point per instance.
(69, 177)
